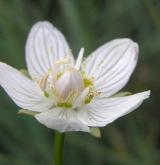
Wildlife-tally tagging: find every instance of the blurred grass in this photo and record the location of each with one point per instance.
(133, 140)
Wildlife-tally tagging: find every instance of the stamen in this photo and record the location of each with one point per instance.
(43, 82)
(79, 59)
(62, 61)
(56, 71)
(92, 93)
(81, 99)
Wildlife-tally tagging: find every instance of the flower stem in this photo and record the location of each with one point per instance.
(58, 148)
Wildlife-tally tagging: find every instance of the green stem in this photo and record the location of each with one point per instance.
(58, 148)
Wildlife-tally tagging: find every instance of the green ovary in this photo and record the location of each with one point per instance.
(88, 83)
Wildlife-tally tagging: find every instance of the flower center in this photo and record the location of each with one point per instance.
(67, 85)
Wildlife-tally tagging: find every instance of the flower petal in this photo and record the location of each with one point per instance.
(101, 112)
(111, 65)
(45, 45)
(62, 120)
(24, 92)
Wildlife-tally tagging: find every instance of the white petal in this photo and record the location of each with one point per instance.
(61, 120)
(24, 92)
(111, 65)
(101, 112)
(45, 45)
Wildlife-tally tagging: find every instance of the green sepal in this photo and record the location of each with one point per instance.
(25, 72)
(120, 94)
(27, 112)
(95, 132)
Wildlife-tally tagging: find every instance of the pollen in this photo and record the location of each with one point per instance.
(87, 82)
(92, 93)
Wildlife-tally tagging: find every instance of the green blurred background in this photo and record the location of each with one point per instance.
(131, 140)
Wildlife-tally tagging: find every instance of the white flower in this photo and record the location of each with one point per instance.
(68, 95)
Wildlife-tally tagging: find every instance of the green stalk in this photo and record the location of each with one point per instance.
(58, 148)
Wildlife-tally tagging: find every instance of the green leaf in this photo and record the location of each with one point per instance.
(95, 132)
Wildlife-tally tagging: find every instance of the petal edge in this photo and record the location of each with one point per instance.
(104, 111)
